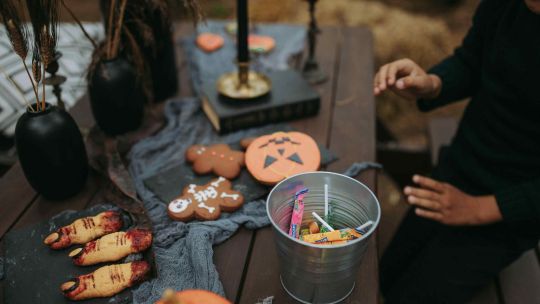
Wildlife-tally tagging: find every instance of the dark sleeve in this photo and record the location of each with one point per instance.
(460, 73)
(520, 204)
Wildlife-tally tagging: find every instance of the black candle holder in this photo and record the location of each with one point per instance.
(311, 71)
(56, 80)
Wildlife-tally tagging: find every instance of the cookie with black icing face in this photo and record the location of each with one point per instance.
(272, 158)
(218, 159)
(205, 202)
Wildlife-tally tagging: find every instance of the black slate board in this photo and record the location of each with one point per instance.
(34, 272)
(169, 184)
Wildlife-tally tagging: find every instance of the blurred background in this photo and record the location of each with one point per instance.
(424, 30)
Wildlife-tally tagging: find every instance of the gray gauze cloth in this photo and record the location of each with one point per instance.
(183, 251)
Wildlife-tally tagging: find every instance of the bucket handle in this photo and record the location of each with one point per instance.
(356, 168)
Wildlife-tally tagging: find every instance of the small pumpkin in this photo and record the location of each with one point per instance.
(191, 296)
(272, 158)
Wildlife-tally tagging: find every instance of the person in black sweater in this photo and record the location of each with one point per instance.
(480, 210)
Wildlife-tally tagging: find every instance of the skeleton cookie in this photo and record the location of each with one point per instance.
(205, 202)
(219, 159)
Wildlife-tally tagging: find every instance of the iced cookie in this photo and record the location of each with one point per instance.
(84, 230)
(272, 158)
(209, 42)
(261, 44)
(218, 159)
(205, 202)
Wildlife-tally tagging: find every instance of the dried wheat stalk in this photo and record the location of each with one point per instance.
(118, 29)
(18, 36)
(112, 8)
(74, 17)
(44, 18)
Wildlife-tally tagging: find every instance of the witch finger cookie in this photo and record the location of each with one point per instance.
(205, 202)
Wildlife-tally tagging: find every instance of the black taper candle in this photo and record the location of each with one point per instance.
(242, 30)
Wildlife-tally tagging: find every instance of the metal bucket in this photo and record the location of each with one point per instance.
(313, 273)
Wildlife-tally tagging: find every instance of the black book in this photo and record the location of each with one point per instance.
(291, 98)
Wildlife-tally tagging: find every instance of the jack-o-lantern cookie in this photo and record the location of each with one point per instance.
(219, 159)
(272, 158)
(205, 202)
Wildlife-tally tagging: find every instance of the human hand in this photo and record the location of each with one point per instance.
(448, 205)
(407, 79)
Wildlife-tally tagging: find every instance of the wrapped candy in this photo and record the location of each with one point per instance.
(297, 213)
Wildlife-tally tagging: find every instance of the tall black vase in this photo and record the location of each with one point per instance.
(160, 54)
(162, 63)
(51, 152)
(116, 97)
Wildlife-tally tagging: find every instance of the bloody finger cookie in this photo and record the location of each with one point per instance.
(205, 202)
(84, 230)
(105, 281)
(272, 158)
(112, 247)
(219, 159)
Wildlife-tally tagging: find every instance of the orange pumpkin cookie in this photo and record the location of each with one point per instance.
(219, 159)
(209, 42)
(191, 296)
(272, 158)
(205, 202)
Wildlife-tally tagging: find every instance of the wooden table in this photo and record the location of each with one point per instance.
(247, 263)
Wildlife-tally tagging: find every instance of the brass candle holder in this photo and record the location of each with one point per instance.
(243, 84)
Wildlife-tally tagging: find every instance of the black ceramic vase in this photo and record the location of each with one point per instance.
(159, 53)
(51, 152)
(162, 63)
(116, 97)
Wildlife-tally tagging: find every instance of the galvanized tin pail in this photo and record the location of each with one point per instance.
(313, 273)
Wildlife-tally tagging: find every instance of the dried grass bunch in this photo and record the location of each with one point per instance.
(44, 20)
(18, 35)
(130, 31)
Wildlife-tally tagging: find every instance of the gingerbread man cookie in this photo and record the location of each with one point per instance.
(219, 159)
(205, 202)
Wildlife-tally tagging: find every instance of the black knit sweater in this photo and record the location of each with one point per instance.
(497, 147)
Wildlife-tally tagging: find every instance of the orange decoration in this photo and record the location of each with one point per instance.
(209, 42)
(261, 44)
(193, 296)
(272, 158)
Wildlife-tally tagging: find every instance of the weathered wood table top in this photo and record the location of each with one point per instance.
(247, 262)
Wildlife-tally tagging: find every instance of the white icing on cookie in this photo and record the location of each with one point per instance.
(192, 188)
(179, 205)
(217, 182)
(233, 196)
(203, 205)
(205, 194)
